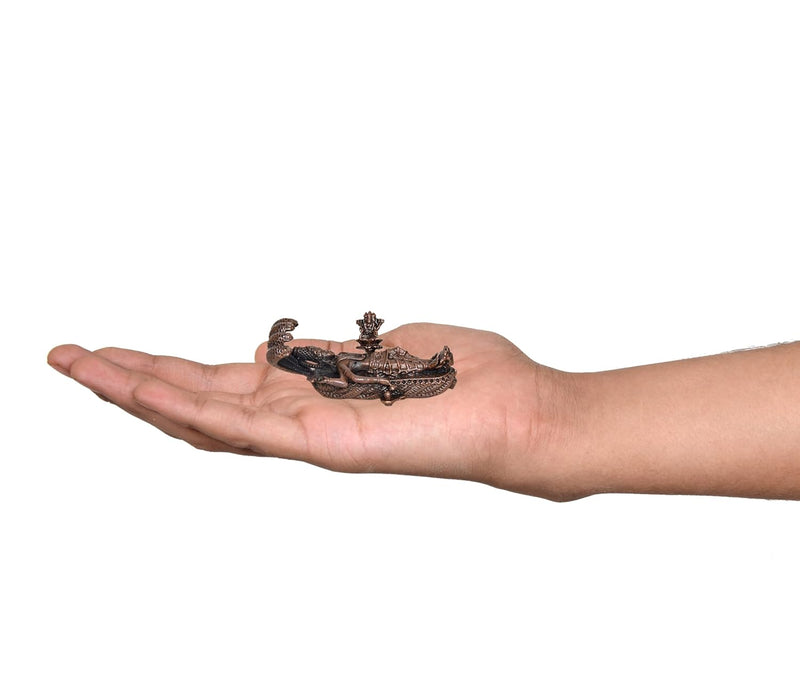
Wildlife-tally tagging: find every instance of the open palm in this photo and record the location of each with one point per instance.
(476, 431)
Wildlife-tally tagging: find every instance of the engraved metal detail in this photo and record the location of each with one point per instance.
(387, 375)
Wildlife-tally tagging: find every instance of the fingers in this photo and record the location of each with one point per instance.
(224, 418)
(233, 378)
(116, 384)
(62, 357)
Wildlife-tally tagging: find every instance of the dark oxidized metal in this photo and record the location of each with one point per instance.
(387, 375)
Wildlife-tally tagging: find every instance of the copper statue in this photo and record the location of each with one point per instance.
(387, 375)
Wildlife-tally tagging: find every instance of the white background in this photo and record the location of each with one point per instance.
(605, 183)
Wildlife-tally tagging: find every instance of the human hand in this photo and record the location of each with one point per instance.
(497, 426)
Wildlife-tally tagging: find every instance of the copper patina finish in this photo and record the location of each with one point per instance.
(387, 375)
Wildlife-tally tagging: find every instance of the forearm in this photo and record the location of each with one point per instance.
(726, 425)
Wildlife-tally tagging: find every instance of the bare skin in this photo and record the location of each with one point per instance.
(727, 424)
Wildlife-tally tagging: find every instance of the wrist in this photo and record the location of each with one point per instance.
(569, 455)
(554, 460)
